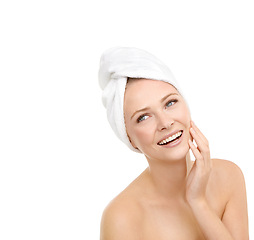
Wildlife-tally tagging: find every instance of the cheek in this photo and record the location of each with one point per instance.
(183, 116)
(142, 136)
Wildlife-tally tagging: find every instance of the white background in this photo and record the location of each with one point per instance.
(60, 163)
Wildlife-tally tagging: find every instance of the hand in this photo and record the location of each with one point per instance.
(199, 175)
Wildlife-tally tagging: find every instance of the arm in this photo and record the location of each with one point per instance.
(212, 226)
(234, 225)
(235, 217)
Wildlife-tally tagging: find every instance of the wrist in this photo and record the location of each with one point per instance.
(198, 204)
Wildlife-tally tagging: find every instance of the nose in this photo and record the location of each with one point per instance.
(164, 121)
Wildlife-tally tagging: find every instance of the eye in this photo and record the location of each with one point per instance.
(171, 102)
(142, 118)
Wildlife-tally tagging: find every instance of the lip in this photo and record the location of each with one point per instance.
(176, 142)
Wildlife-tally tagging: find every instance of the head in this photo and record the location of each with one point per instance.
(154, 111)
(116, 66)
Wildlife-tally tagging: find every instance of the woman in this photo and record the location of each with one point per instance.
(174, 198)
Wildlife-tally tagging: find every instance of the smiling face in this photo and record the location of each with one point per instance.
(157, 119)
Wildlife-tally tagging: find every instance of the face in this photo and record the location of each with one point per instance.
(157, 119)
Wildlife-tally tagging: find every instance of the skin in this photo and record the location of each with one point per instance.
(174, 198)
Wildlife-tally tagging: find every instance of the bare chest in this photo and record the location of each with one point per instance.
(171, 222)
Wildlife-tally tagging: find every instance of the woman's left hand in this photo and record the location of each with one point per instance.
(199, 175)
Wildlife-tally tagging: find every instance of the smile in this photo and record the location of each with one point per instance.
(171, 138)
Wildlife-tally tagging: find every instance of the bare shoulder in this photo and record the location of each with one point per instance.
(121, 209)
(232, 184)
(226, 168)
(227, 174)
(121, 217)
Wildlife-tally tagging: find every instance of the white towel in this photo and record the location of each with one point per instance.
(116, 65)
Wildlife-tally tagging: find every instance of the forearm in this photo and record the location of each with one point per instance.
(210, 224)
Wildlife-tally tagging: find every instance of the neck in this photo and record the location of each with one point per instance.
(169, 179)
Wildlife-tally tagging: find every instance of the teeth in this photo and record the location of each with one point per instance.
(171, 138)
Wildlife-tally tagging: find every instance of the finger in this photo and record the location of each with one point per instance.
(194, 126)
(201, 146)
(198, 156)
(200, 143)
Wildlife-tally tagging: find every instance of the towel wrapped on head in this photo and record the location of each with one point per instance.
(116, 66)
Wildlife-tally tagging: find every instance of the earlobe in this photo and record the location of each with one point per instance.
(132, 143)
(191, 138)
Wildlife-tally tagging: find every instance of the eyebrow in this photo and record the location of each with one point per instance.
(164, 98)
(147, 108)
